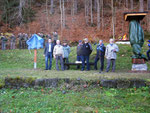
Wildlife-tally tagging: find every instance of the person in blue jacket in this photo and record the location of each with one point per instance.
(148, 52)
(48, 53)
(100, 55)
(66, 50)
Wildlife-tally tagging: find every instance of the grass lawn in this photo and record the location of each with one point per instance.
(20, 63)
(99, 100)
(14, 63)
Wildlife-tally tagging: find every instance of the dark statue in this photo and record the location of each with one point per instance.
(136, 35)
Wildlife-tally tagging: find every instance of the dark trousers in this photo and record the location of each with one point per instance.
(48, 57)
(79, 59)
(148, 52)
(3, 45)
(97, 58)
(85, 58)
(109, 61)
(66, 60)
(59, 58)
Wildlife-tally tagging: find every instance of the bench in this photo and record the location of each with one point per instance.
(67, 65)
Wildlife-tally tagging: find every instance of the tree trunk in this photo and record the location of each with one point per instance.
(98, 15)
(86, 11)
(47, 15)
(64, 17)
(131, 4)
(141, 9)
(21, 5)
(126, 3)
(61, 17)
(52, 7)
(102, 7)
(148, 4)
(91, 3)
(113, 22)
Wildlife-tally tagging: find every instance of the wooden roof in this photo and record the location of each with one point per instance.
(128, 16)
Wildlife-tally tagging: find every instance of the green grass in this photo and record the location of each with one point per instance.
(99, 100)
(20, 63)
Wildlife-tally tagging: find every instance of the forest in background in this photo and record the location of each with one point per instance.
(72, 19)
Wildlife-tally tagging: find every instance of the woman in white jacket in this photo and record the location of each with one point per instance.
(111, 55)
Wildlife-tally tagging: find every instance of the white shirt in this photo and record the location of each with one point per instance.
(49, 50)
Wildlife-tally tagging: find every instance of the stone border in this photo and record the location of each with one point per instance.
(17, 83)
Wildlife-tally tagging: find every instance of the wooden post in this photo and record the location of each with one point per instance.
(35, 57)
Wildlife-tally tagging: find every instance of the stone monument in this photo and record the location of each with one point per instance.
(136, 36)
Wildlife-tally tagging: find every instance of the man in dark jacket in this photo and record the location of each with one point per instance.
(4, 42)
(85, 54)
(79, 52)
(48, 52)
(100, 55)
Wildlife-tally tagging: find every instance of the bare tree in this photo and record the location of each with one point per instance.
(62, 11)
(141, 9)
(21, 5)
(127, 4)
(102, 7)
(52, 7)
(131, 4)
(47, 14)
(86, 11)
(91, 4)
(98, 14)
(113, 20)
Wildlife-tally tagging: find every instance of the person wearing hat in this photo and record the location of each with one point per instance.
(148, 51)
(85, 54)
(79, 52)
(66, 49)
(100, 55)
(48, 52)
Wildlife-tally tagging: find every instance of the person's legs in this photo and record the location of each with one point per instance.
(87, 62)
(102, 63)
(83, 62)
(50, 61)
(11, 45)
(62, 63)
(2, 45)
(113, 65)
(108, 64)
(78, 59)
(95, 62)
(148, 56)
(57, 67)
(46, 62)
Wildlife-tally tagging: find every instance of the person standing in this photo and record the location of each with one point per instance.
(66, 49)
(58, 54)
(85, 54)
(55, 37)
(20, 36)
(111, 55)
(79, 48)
(148, 51)
(4, 41)
(12, 41)
(100, 55)
(48, 53)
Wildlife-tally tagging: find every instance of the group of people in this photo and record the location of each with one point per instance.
(20, 40)
(61, 52)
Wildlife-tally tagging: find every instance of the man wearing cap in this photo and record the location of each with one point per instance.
(79, 52)
(100, 55)
(148, 52)
(48, 52)
(12, 41)
(111, 55)
(85, 54)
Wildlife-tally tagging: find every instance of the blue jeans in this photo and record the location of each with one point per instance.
(48, 57)
(101, 58)
(85, 58)
(79, 59)
(61, 62)
(148, 52)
